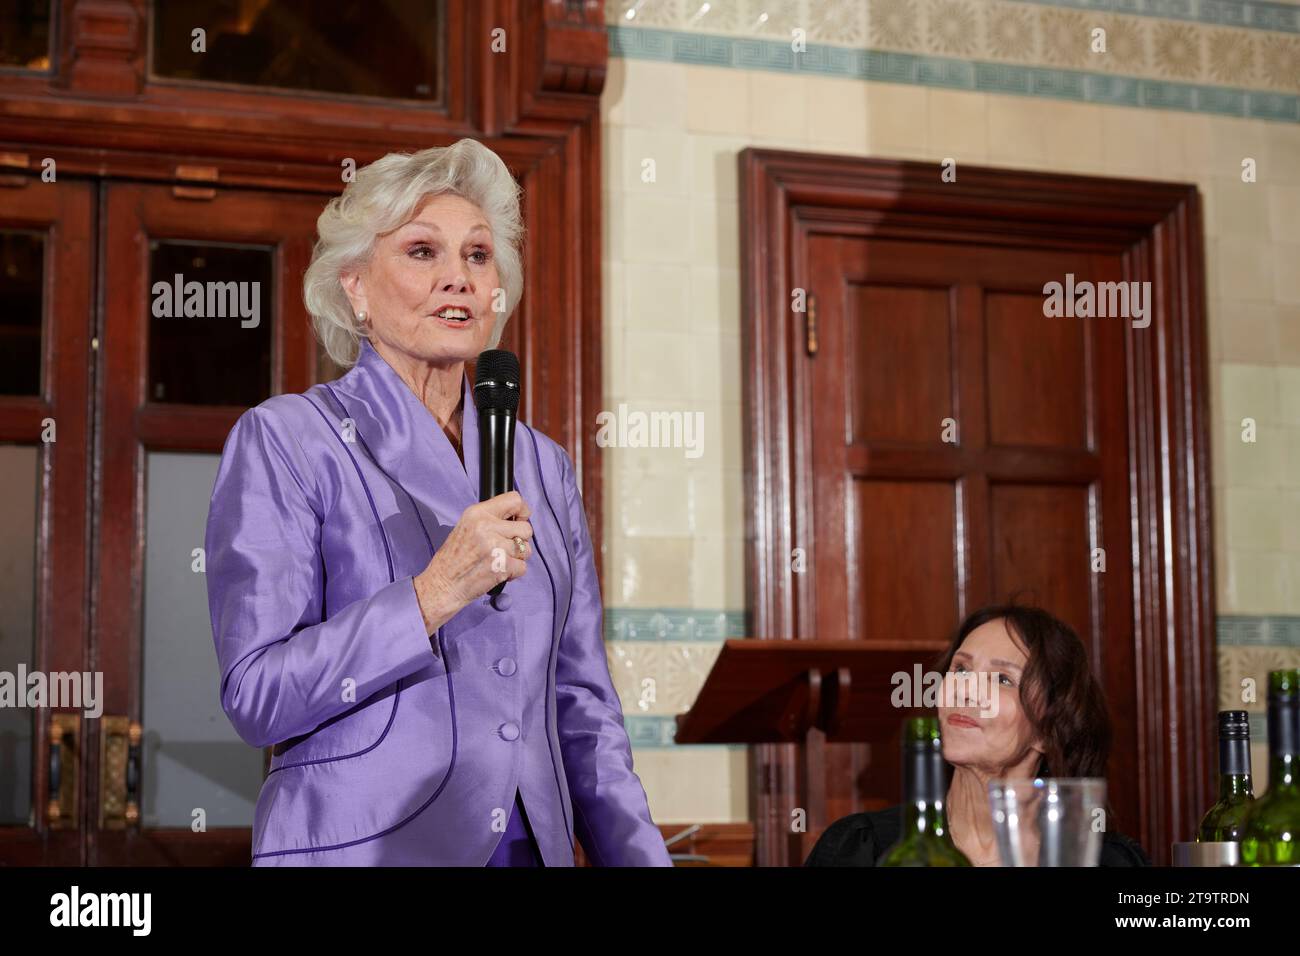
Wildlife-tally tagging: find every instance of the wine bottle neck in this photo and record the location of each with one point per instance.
(1282, 770)
(1283, 742)
(1234, 785)
(925, 792)
(1234, 756)
(925, 817)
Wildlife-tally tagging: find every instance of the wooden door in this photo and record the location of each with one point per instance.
(170, 781)
(1066, 437)
(966, 450)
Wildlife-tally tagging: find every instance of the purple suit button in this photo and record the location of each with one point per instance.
(506, 666)
(509, 730)
(501, 601)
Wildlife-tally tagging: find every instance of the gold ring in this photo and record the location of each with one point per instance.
(521, 546)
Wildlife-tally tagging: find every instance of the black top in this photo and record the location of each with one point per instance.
(861, 839)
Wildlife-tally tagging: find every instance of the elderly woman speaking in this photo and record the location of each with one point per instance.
(416, 720)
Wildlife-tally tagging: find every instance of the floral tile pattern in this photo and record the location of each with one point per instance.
(1240, 664)
(1240, 44)
(659, 679)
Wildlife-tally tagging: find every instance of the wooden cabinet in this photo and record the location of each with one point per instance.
(127, 153)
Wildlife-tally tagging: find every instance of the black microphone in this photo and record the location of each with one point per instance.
(496, 396)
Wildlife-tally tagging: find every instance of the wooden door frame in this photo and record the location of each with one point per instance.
(1155, 227)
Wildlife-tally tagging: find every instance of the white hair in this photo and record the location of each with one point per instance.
(384, 196)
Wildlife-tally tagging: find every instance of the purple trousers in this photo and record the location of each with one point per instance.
(517, 846)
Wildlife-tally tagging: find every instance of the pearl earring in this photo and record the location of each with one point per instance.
(361, 317)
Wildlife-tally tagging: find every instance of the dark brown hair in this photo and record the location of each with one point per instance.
(1063, 701)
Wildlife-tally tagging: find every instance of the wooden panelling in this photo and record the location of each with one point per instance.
(878, 341)
(1040, 544)
(1037, 373)
(906, 582)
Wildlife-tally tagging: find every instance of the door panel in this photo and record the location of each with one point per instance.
(906, 575)
(192, 759)
(20, 506)
(1041, 544)
(882, 350)
(1037, 379)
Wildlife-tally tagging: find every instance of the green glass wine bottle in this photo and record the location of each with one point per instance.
(926, 839)
(1225, 820)
(1272, 833)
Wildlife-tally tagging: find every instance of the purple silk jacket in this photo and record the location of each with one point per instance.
(392, 747)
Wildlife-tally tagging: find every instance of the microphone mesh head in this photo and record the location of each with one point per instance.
(496, 381)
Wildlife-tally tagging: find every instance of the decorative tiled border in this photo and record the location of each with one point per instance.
(1251, 646)
(1233, 43)
(951, 73)
(821, 15)
(1248, 14)
(648, 732)
(1233, 630)
(672, 624)
(695, 624)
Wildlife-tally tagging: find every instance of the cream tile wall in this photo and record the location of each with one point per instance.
(672, 326)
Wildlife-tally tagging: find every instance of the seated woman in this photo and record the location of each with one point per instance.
(1050, 721)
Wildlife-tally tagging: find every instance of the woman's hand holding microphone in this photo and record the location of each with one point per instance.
(479, 553)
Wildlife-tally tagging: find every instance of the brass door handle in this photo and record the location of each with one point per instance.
(65, 771)
(119, 767)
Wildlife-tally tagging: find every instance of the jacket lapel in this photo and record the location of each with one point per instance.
(395, 429)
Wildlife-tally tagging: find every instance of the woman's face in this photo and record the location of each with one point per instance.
(985, 731)
(444, 256)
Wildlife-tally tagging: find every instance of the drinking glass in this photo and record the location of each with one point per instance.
(1049, 821)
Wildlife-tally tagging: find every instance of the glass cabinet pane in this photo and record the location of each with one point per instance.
(19, 506)
(25, 34)
(193, 759)
(210, 323)
(387, 48)
(22, 281)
